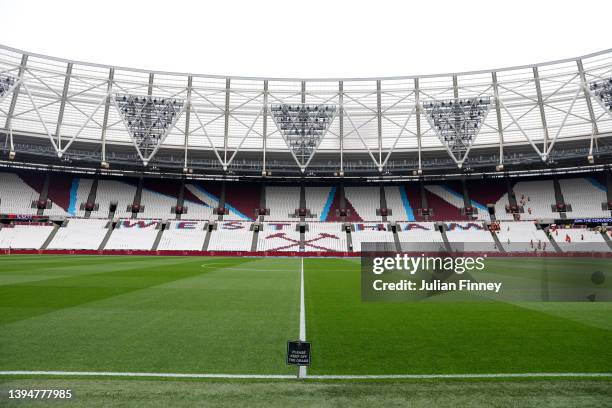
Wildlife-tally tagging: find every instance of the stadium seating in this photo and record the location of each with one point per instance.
(316, 201)
(523, 236)
(585, 195)
(579, 240)
(183, 235)
(231, 236)
(114, 191)
(133, 234)
(325, 236)
(279, 236)
(537, 196)
(80, 234)
(470, 236)
(418, 236)
(199, 203)
(365, 201)
(397, 201)
(16, 196)
(156, 205)
(370, 232)
(24, 236)
(282, 202)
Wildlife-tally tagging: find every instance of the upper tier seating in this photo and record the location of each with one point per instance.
(16, 196)
(365, 200)
(282, 202)
(585, 197)
(202, 209)
(537, 195)
(316, 200)
(114, 191)
(399, 205)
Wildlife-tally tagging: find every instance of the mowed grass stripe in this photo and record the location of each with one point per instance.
(24, 300)
(207, 321)
(354, 337)
(36, 271)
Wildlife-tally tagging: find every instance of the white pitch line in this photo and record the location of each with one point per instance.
(302, 369)
(312, 377)
(451, 376)
(157, 375)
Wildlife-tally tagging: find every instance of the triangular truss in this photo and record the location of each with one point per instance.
(457, 122)
(303, 127)
(7, 82)
(148, 120)
(603, 91)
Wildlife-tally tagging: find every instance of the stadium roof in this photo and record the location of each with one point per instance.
(57, 110)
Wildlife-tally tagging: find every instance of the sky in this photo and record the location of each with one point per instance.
(308, 38)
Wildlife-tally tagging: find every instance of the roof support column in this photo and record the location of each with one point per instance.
(109, 89)
(60, 116)
(417, 102)
(187, 118)
(500, 130)
(379, 119)
(341, 135)
(536, 77)
(226, 125)
(11, 111)
(587, 97)
(265, 127)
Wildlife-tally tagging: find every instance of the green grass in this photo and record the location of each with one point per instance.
(354, 337)
(234, 316)
(150, 394)
(147, 314)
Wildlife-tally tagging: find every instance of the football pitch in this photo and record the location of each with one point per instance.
(82, 318)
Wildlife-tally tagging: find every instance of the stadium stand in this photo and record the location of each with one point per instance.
(16, 197)
(579, 240)
(114, 191)
(470, 236)
(536, 197)
(318, 201)
(365, 201)
(397, 201)
(231, 236)
(585, 196)
(133, 234)
(24, 235)
(523, 236)
(370, 232)
(80, 234)
(322, 236)
(282, 202)
(279, 236)
(183, 235)
(416, 236)
(242, 199)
